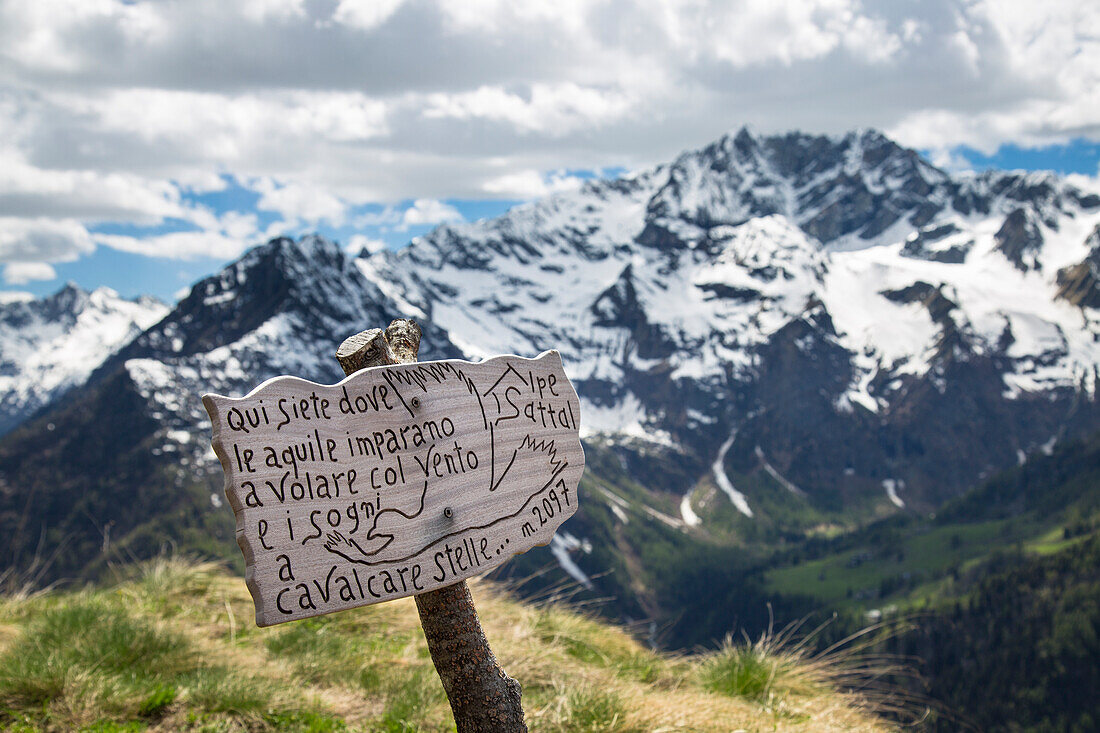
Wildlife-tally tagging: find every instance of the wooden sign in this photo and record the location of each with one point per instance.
(398, 480)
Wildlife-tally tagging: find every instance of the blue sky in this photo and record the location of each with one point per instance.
(145, 143)
(1079, 156)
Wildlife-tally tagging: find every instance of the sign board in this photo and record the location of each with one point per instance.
(397, 480)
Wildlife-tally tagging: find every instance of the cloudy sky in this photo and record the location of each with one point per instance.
(144, 143)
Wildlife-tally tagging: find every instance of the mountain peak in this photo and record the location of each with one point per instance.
(746, 138)
(288, 253)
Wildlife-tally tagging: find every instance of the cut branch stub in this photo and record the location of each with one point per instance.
(403, 337)
(367, 349)
(483, 698)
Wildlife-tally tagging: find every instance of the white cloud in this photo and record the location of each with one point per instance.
(238, 226)
(15, 296)
(554, 110)
(1035, 69)
(949, 160)
(280, 10)
(29, 191)
(21, 273)
(429, 211)
(530, 184)
(386, 217)
(761, 31)
(117, 111)
(43, 240)
(359, 242)
(295, 201)
(365, 14)
(177, 245)
(912, 30)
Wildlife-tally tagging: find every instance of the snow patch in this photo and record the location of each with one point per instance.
(626, 417)
(736, 497)
(779, 478)
(688, 514)
(179, 436)
(560, 547)
(892, 486)
(663, 518)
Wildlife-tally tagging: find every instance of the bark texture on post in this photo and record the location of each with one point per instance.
(484, 699)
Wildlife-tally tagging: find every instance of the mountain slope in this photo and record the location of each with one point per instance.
(52, 344)
(122, 465)
(1048, 504)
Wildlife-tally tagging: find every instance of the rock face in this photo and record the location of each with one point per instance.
(1080, 284)
(834, 318)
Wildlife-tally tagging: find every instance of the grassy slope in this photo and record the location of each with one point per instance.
(175, 649)
(1046, 506)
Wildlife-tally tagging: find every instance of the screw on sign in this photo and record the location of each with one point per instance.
(406, 478)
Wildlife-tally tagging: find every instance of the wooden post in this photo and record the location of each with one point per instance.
(484, 699)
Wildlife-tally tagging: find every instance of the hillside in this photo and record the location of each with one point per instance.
(1048, 505)
(174, 649)
(1029, 628)
(999, 592)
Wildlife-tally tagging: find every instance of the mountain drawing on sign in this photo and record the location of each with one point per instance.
(492, 438)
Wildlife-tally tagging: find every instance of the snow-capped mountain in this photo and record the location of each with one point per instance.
(728, 244)
(282, 308)
(52, 344)
(825, 323)
(673, 292)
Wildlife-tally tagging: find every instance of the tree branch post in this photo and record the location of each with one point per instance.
(484, 699)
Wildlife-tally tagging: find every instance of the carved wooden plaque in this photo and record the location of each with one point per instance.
(397, 480)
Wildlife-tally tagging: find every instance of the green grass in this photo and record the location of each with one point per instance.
(586, 640)
(1055, 540)
(920, 563)
(87, 661)
(224, 690)
(593, 710)
(158, 701)
(906, 564)
(409, 692)
(89, 650)
(172, 648)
